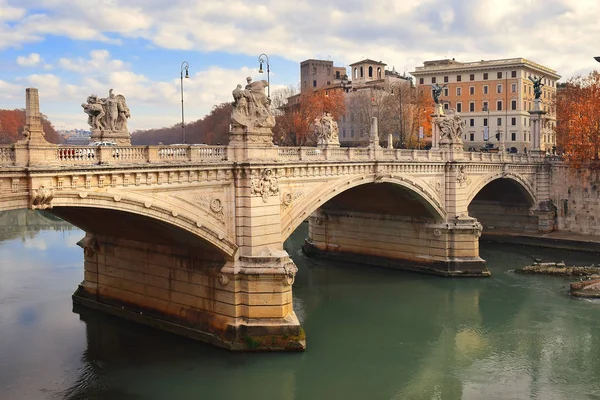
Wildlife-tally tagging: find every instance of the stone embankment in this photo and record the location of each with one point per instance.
(559, 269)
(590, 288)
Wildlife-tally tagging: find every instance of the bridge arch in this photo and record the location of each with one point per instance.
(504, 201)
(414, 188)
(520, 183)
(90, 211)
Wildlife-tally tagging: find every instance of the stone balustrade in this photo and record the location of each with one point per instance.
(14, 155)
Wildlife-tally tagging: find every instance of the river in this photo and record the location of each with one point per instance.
(371, 333)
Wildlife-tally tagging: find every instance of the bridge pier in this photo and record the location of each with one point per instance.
(243, 305)
(442, 248)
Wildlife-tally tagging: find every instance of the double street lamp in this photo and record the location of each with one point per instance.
(184, 66)
(263, 58)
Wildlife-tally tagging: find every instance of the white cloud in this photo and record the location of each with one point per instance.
(29, 61)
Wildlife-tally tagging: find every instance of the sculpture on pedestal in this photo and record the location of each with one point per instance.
(327, 131)
(108, 117)
(251, 106)
(437, 93)
(451, 127)
(537, 86)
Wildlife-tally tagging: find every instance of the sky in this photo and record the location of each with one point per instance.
(72, 49)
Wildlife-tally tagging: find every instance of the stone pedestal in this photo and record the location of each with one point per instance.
(121, 138)
(248, 144)
(435, 131)
(536, 116)
(374, 134)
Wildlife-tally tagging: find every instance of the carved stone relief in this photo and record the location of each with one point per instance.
(41, 199)
(266, 185)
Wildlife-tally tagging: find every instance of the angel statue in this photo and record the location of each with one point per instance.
(437, 92)
(537, 86)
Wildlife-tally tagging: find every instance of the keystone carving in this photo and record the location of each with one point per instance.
(265, 186)
(289, 271)
(41, 199)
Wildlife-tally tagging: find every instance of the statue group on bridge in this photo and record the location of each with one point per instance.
(251, 106)
(326, 130)
(107, 113)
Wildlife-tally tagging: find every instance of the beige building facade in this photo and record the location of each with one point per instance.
(494, 98)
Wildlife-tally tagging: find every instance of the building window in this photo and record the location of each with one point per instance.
(485, 106)
(499, 105)
(524, 136)
(421, 81)
(513, 105)
(433, 80)
(499, 121)
(485, 89)
(485, 76)
(525, 121)
(314, 70)
(513, 74)
(472, 107)
(351, 132)
(498, 88)
(472, 77)
(344, 132)
(329, 83)
(355, 73)
(445, 79)
(513, 136)
(378, 73)
(472, 122)
(499, 75)
(314, 83)
(328, 71)
(459, 91)
(513, 121)
(458, 78)
(513, 88)
(458, 107)
(485, 122)
(370, 72)
(337, 74)
(446, 106)
(362, 72)
(472, 137)
(471, 90)
(446, 92)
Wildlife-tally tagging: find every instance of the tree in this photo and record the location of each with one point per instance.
(578, 129)
(12, 123)
(297, 118)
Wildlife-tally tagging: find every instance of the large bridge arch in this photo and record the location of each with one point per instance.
(315, 199)
(87, 210)
(504, 202)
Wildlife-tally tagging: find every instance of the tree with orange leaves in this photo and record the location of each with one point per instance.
(578, 115)
(295, 123)
(12, 123)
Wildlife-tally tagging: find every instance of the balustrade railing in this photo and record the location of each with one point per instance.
(77, 155)
(82, 155)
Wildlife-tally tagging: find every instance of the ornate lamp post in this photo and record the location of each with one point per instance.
(184, 66)
(263, 58)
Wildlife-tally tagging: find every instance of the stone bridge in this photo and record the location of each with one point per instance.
(190, 238)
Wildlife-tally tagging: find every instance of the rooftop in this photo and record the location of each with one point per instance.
(447, 64)
(369, 61)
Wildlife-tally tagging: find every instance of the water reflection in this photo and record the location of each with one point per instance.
(372, 333)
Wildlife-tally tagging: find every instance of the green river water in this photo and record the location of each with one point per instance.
(371, 334)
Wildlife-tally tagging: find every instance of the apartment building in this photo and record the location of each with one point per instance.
(494, 97)
(315, 74)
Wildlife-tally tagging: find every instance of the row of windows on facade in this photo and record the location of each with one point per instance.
(513, 122)
(337, 73)
(499, 88)
(513, 74)
(359, 72)
(513, 137)
(527, 105)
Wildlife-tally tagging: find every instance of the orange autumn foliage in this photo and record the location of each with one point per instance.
(578, 115)
(12, 123)
(311, 106)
